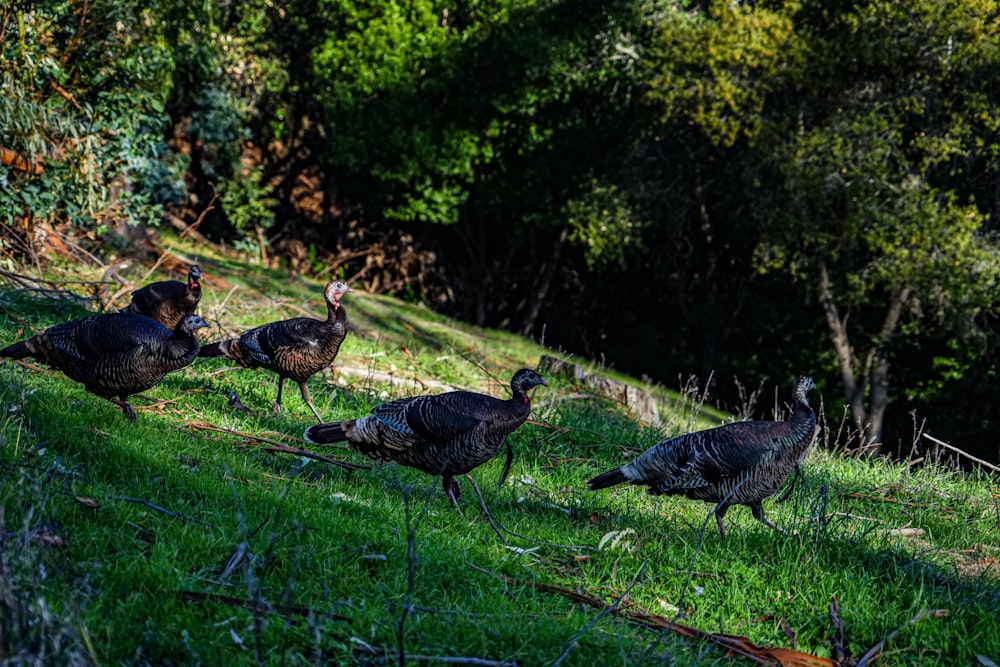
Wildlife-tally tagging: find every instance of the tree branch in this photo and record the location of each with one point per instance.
(842, 346)
(880, 373)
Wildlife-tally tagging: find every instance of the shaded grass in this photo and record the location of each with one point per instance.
(304, 544)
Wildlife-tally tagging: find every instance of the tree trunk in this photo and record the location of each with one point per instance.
(544, 284)
(880, 371)
(846, 360)
(869, 419)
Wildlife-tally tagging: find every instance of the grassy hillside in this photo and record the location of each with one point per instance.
(188, 538)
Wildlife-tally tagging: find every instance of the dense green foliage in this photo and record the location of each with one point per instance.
(801, 186)
(166, 543)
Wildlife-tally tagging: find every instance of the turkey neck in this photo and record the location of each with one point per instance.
(335, 312)
(802, 425)
(183, 343)
(520, 395)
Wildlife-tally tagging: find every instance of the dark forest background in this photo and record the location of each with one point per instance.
(739, 192)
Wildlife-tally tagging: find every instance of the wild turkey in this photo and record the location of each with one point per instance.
(446, 434)
(113, 355)
(295, 349)
(734, 464)
(168, 301)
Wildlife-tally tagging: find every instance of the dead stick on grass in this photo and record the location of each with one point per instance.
(152, 506)
(275, 446)
(961, 452)
(762, 655)
(497, 526)
(610, 609)
(110, 272)
(838, 644)
(874, 651)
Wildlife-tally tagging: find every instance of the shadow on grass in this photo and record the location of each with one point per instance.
(331, 541)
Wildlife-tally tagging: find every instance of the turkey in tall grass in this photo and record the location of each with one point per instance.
(295, 349)
(735, 464)
(444, 434)
(113, 355)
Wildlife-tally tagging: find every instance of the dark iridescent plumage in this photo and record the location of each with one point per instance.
(113, 355)
(295, 349)
(446, 434)
(733, 464)
(168, 301)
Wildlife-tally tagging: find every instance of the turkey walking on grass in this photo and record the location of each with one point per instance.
(168, 301)
(734, 464)
(295, 349)
(445, 434)
(114, 355)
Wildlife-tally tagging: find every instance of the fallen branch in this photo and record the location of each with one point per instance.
(260, 607)
(838, 644)
(110, 272)
(961, 452)
(192, 229)
(23, 279)
(152, 506)
(762, 655)
(275, 446)
(392, 379)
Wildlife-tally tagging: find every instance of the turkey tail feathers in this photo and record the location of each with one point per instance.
(610, 478)
(323, 434)
(211, 350)
(17, 351)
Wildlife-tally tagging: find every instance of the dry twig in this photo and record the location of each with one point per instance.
(275, 446)
(152, 506)
(762, 655)
(838, 644)
(961, 452)
(497, 526)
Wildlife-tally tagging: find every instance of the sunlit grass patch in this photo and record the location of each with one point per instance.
(180, 544)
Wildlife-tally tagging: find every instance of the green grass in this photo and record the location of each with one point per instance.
(324, 561)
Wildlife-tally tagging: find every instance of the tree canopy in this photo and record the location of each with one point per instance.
(733, 190)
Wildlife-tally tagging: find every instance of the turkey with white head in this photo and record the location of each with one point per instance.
(296, 349)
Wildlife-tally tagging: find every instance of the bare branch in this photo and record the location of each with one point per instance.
(842, 346)
(961, 452)
(498, 527)
(276, 447)
(173, 515)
